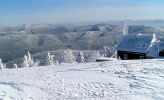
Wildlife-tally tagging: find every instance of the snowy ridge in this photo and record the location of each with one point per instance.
(113, 80)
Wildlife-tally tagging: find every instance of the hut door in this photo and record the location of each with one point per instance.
(125, 56)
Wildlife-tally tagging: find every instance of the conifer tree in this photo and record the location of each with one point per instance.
(15, 66)
(69, 57)
(81, 57)
(50, 59)
(28, 61)
(57, 62)
(2, 66)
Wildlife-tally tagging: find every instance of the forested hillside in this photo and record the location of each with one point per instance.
(15, 41)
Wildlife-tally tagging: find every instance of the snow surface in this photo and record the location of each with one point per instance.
(112, 80)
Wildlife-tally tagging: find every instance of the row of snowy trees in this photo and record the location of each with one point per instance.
(68, 57)
(28, 61)
(3, 66)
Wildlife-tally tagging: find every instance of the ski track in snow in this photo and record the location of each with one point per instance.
(112, 80)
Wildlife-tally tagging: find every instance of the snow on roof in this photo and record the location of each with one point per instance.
(135, 43)
(155, 49)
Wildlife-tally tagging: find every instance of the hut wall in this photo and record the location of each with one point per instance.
(124, 55)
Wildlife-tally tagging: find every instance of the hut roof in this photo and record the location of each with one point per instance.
(135, 43)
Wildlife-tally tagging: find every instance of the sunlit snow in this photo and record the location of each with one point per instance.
(112, 80)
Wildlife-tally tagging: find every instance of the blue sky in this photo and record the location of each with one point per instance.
(70, 11)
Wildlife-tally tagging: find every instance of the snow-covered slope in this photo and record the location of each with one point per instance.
(113, 80)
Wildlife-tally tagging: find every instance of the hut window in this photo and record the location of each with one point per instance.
(125, 56)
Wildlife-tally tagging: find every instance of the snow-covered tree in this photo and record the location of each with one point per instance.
(25, 61)
(106, 51)
(15, 65)
(2, 66)
(114, 55)
(92, 55)
(119, 58)
(57, 62)
(69, 57)
(50, 59)
(81, 58)
(36, 63)
(28, 61)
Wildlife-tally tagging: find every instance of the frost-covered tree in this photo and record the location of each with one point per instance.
(81, 58)
(2, 66)
(28, 61)
(94, 55)
(119, 58)
(114, 55)
(69, 57)
(25, 61)
(15, 65)
(50, 59)
(57, 62)
(36, 63)
(106, 51)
